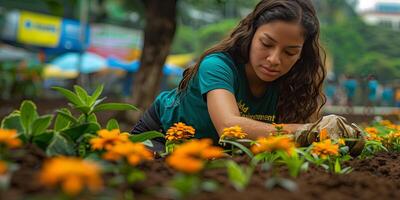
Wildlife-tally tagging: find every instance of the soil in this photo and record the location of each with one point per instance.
(373, 178)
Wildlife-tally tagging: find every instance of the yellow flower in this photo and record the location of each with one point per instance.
(133, 152)
(233, 132)
(274, 143)
(179, 131)
(72, 174)
(190, 157)
(108, 138)
(325, 148)
(9, 138)
(3, 167)
(341, 141)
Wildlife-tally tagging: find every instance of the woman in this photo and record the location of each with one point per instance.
(269, 70)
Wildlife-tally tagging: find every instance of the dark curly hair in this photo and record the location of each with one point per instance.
(301, 88)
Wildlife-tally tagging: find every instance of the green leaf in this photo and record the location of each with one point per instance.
(96, 95)
(97, 102)
(28, 115)
(135, 176)
(63, 119)
(84, 146)
(65, 113)
(43, 140)
(185, 185)
(338, 168)
(69, 95)
(114, 106)
(41, 124)
(82, 94)
(145, 136)
(81, 118)
(237, 176)
(240, 146)
(287, 184)
(209, 185)
(83, 109)
(13, 121)
(75, 132)
(60, 145)
(92, 118)
(112, 124)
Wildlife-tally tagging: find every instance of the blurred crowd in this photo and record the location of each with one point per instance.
(367, 91)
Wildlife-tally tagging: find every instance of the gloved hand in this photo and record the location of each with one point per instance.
(337, 127)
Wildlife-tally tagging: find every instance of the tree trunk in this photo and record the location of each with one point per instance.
(158, 35)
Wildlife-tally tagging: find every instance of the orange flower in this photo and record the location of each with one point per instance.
(190, 157)
(372, 134)
(374, 138)
(323, 135)
(325, 148)
(392, 137)
(9, 138)
(233, 132)
(179, 131)
(133, 152)
(108, 138)
(274, 143)
(371, 130)
(3, 167)
(386, 123)
(72, 174)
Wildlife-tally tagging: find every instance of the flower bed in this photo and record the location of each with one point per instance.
(74, 157)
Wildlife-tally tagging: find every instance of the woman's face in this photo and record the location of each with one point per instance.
(275, 48)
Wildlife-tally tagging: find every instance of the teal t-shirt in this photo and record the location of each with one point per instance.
(216, 71)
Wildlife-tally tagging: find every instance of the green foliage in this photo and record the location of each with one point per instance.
(238, 145)
(12, 121)
(70, 135)
(294, 162)
(239, 176)
(183, 185)
(375, 63)
(112, 124)
(371, 148)
(87, 104)
(28, 123)
(185, 40)
(357, 48)
(61, 145)
(149, 135)
(211, 34)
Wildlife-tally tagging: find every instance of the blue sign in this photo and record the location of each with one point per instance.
(70, 36)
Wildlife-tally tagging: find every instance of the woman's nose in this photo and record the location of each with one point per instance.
(274, 58)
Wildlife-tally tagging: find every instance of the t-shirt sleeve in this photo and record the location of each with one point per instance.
(215, 73)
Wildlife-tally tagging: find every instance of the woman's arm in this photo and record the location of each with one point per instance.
(224, 113)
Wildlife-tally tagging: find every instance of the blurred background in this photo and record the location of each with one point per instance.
(137, 48)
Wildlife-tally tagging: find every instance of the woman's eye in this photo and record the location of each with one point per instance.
(290, 53)
(266, 45)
